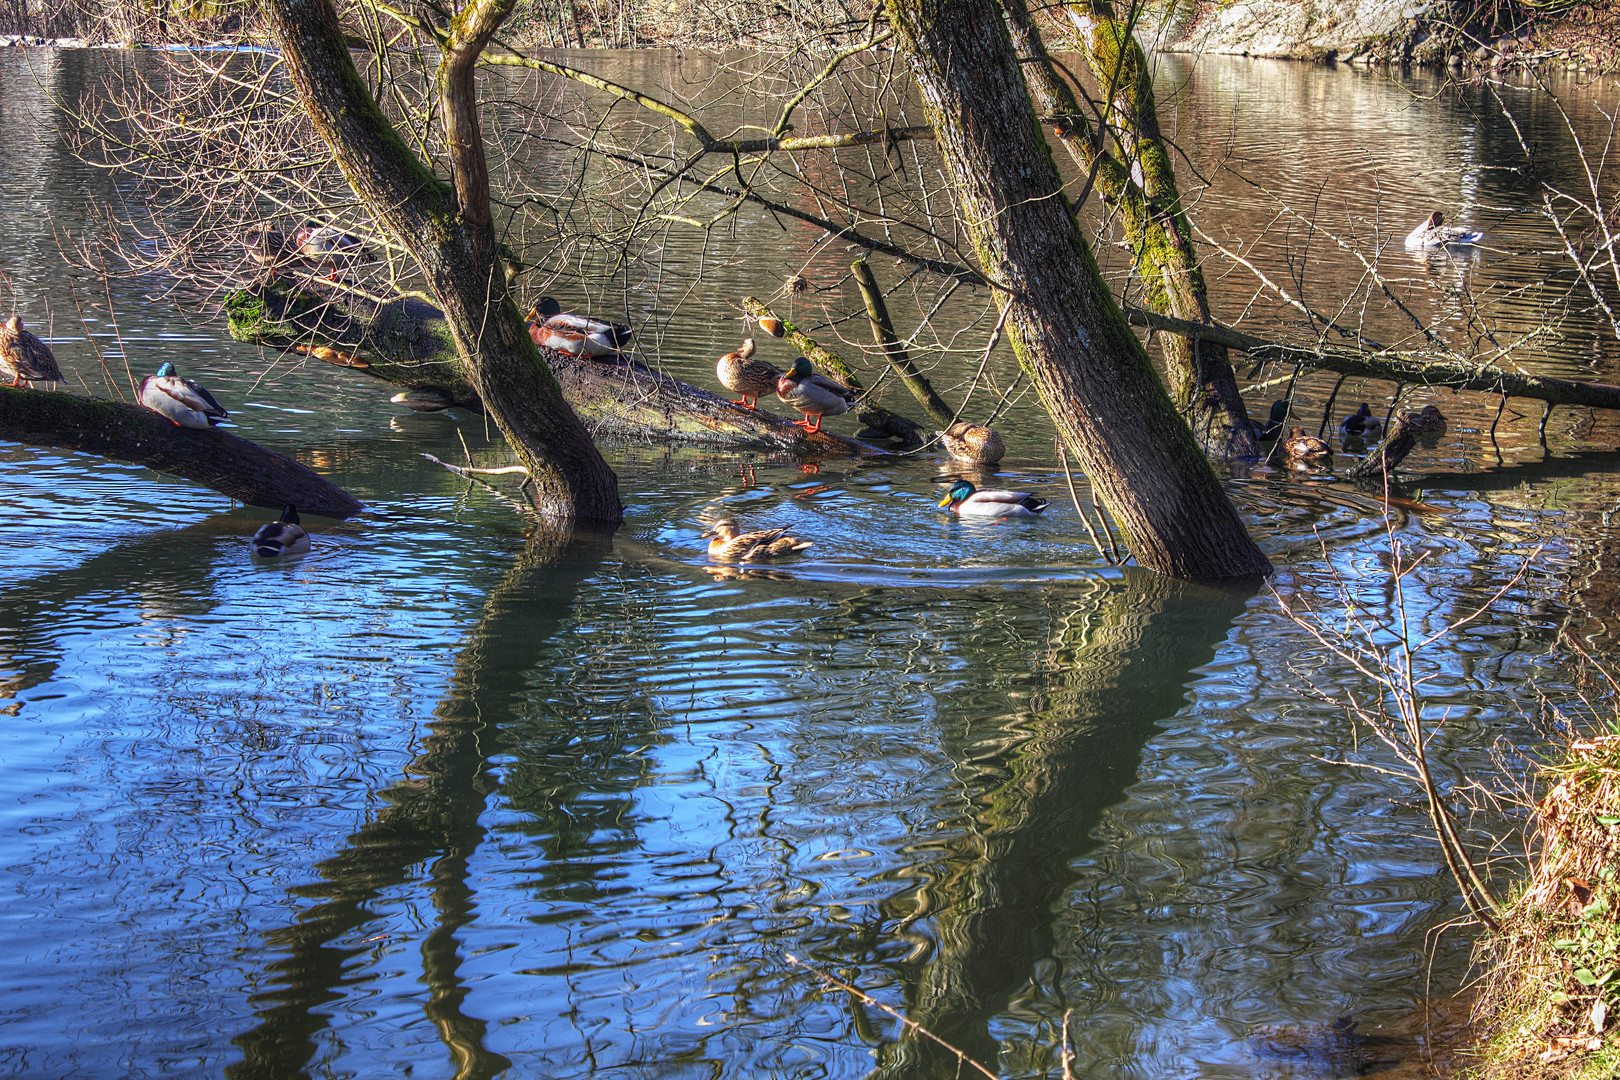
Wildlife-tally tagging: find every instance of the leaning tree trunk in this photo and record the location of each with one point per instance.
(448, 232)
(1066, 329)
(1202, 382)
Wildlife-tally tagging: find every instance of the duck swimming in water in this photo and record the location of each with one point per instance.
(967, 501)
(1300, 449)
(973, 444)
(579, 335)
(742, 374)
(184, 402)
(1268, 431)
(1361, 424)
(23, 357)
(813, 395)
(284, 537)
(1434, 232)
(730, 543)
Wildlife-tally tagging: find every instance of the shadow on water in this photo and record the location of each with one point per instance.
(435, 815)
(1112, 674)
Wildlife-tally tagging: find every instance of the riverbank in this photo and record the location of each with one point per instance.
(1551, 990)
(1582, 36)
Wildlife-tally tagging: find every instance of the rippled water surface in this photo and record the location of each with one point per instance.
(443, 800)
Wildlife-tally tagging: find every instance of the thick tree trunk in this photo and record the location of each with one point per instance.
(215, 459)
(1065, 328)
(448, 233)
(1199, 372)
(408, 343)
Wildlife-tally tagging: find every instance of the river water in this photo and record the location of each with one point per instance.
(441, 800)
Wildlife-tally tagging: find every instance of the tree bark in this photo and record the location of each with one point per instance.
(408, 343)
(1202, 382)
(215, 459)
(1093, 376)
(448, 233)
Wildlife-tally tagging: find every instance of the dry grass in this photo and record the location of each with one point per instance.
(1549, 1003)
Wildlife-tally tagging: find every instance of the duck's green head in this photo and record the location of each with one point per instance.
(800, 368)
(1279, 411)
(959, 491)
(165, 369)
(547, 307)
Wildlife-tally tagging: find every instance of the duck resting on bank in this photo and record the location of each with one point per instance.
(813, 395)
(1434, 232)
(740, 373)
(1361, 424)
(184, 402)
(284, 537)
(579, 335)
(967, 501)
(730, 543)
(23, 357)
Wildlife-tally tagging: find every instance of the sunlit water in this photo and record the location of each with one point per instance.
(439, 800)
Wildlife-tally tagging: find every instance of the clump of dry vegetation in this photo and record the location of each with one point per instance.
(1550, 1005)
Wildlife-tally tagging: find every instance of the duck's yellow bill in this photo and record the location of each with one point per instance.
(946, 501)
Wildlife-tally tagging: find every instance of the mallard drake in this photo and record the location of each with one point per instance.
(24, 357)
(183, 401)
(1268, 431)
(1434, 232)
(1361, 424)
(329, 244)
(968, 501)
(740, 373)
(1431, 421)
(729, 543)
(973, 444)
(1302, 449)
(563, 331)
(284, 537)
(813, 395)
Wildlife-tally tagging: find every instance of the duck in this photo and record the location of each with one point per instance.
(740, 373)
(24, 357)
(966, 500)
(1434, 232)
(730, 543)
(813, 395)
(269, 247)
(329, 244)
(1431, 421)
(284, 537)
(1302, 449)
(423, 399)
(973, 444)
(1361, 424)
(1268, 431)
(184, 402)
(773, 327)
(579, 335)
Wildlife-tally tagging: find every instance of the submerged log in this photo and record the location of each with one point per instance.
(406, 342)
(215, 459)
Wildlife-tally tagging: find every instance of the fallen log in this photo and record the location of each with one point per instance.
(216, 459)
(1417, 369)
(406, 342)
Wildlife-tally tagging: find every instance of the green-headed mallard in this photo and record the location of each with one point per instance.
(968, 501)
(973, 444)
(184, 402)
(813, 395)
(284, 537)
(563, 331)
(1272, 428)
(1302, 449)
(25, 358)
(740, 373)
(1361, 424)
(729, 543)
(1434, 232)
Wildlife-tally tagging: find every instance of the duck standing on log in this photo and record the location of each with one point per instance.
(1435, 233)
(330, 246)
(182, 401)
(813, 395)
(579, 335)
(25, 358)
(742, 374)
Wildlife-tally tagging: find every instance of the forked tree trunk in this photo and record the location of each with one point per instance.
(447, 230)
(1067, 331)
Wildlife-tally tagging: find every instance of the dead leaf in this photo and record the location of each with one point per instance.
(1600, 1013)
